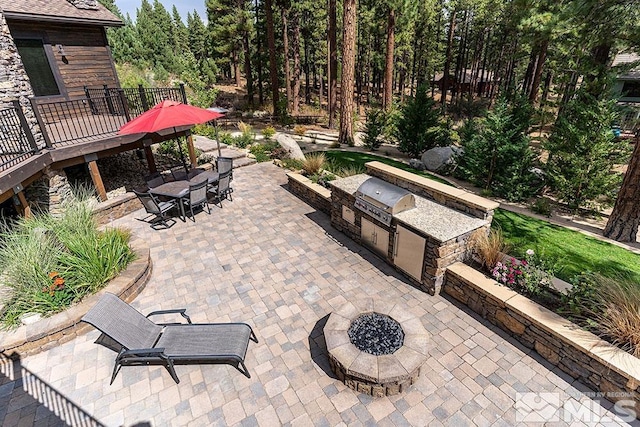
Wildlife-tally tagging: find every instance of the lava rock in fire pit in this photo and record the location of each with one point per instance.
(376, 334)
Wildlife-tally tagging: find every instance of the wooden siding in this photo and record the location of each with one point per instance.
(87, 60)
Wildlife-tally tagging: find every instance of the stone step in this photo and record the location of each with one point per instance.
(243, 161)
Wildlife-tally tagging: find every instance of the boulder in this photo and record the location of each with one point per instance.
(416, 164)
(438, 157)
(290, 144)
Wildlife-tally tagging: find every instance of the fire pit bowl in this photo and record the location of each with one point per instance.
(391, 346)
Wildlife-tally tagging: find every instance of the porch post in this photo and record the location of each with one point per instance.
(148, 154)
(192, 150)
(24, 205)
(95, 176)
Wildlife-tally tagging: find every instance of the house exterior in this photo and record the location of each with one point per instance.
(61, 103)
(63, 44)
(627, 87)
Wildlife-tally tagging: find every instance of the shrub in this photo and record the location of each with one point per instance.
(246, 137)
(263, 151)
(498, 157)
(373, 128)
(51, 262)
(541, 206)
(299, 130)
(417, 116)
(225, 138)
(280, 152)
(490, 247)
(268, 132)
(292, 164)
(313, 163)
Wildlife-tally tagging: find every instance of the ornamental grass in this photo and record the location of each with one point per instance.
(49, 262)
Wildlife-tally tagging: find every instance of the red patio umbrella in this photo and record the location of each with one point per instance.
(166, 115)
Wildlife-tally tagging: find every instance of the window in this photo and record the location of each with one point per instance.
(631, 89)
(37, 66)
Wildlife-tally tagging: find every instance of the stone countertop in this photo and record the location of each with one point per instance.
(440, 222)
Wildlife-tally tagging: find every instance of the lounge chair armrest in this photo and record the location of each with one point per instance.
(181, 311)
(155, 352)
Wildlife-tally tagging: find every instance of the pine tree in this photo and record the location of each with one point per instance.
(583, 152)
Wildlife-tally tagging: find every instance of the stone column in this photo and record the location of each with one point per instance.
(49, 192)
(14, 82)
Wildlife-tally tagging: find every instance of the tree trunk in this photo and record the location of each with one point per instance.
(537, 75)
(259, 55)
(625, 217)
(247, 67)
(236, 67)
(295, 46)
(285, 47)
(332, 73)
(348, 72)
(307, 73)
(273, 62)
(447, 62)
(387, 101)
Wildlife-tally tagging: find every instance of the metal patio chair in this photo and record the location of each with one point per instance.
(197, 197)
(222, 190)
(139, 341)
(156, 209)
(225, 164)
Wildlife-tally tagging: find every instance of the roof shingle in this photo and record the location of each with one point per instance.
(57, 10)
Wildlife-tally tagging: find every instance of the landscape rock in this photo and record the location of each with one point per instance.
(290, 144)
(438, 157)
(416, 164)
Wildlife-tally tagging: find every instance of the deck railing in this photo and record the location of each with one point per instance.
(17, 142)
(100, 114)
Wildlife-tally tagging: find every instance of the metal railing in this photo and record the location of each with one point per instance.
(100, 114)
(17, 142)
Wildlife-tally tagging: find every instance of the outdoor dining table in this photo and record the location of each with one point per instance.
(180, 189)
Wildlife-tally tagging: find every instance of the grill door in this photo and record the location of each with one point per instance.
(408, 252)
(376, 237)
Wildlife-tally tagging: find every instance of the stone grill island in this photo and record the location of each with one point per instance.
(422, 239)
(389, 364)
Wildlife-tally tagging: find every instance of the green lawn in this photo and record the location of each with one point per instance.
(348, 158)
(572, 251)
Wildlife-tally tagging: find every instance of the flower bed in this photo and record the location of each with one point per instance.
(581, 354)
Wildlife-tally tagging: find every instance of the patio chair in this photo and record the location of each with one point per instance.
(139, 341)
(225, 164)
(156, 209)
(178, 173)
(197, 197)
(155, 182)
(222, 190)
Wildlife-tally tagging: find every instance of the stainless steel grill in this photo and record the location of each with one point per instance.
(381, 200)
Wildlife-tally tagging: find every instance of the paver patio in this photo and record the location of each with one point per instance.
(272, 261)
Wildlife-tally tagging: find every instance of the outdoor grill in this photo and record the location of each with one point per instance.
(381, 200)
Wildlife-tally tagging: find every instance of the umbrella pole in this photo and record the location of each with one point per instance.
(184, 162)
(215, 126)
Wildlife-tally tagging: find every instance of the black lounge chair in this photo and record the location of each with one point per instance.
(139, 341)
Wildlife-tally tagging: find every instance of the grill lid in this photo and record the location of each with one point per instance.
(385, 196)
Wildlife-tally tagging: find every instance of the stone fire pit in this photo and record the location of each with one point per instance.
(385, 374)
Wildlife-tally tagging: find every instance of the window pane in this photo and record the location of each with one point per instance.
(37, 66)
(631, 90)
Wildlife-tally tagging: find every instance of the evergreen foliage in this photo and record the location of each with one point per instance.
(373, 129)
(497, 156)
(413, 128)
(583, 152)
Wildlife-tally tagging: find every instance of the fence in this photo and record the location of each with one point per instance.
(17, 143)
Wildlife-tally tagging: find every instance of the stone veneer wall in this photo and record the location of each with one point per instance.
(48, 193)
(585, 357)
(314, 194)
(14, 82)
(52, 331)
(115, 208)
(454, 198)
